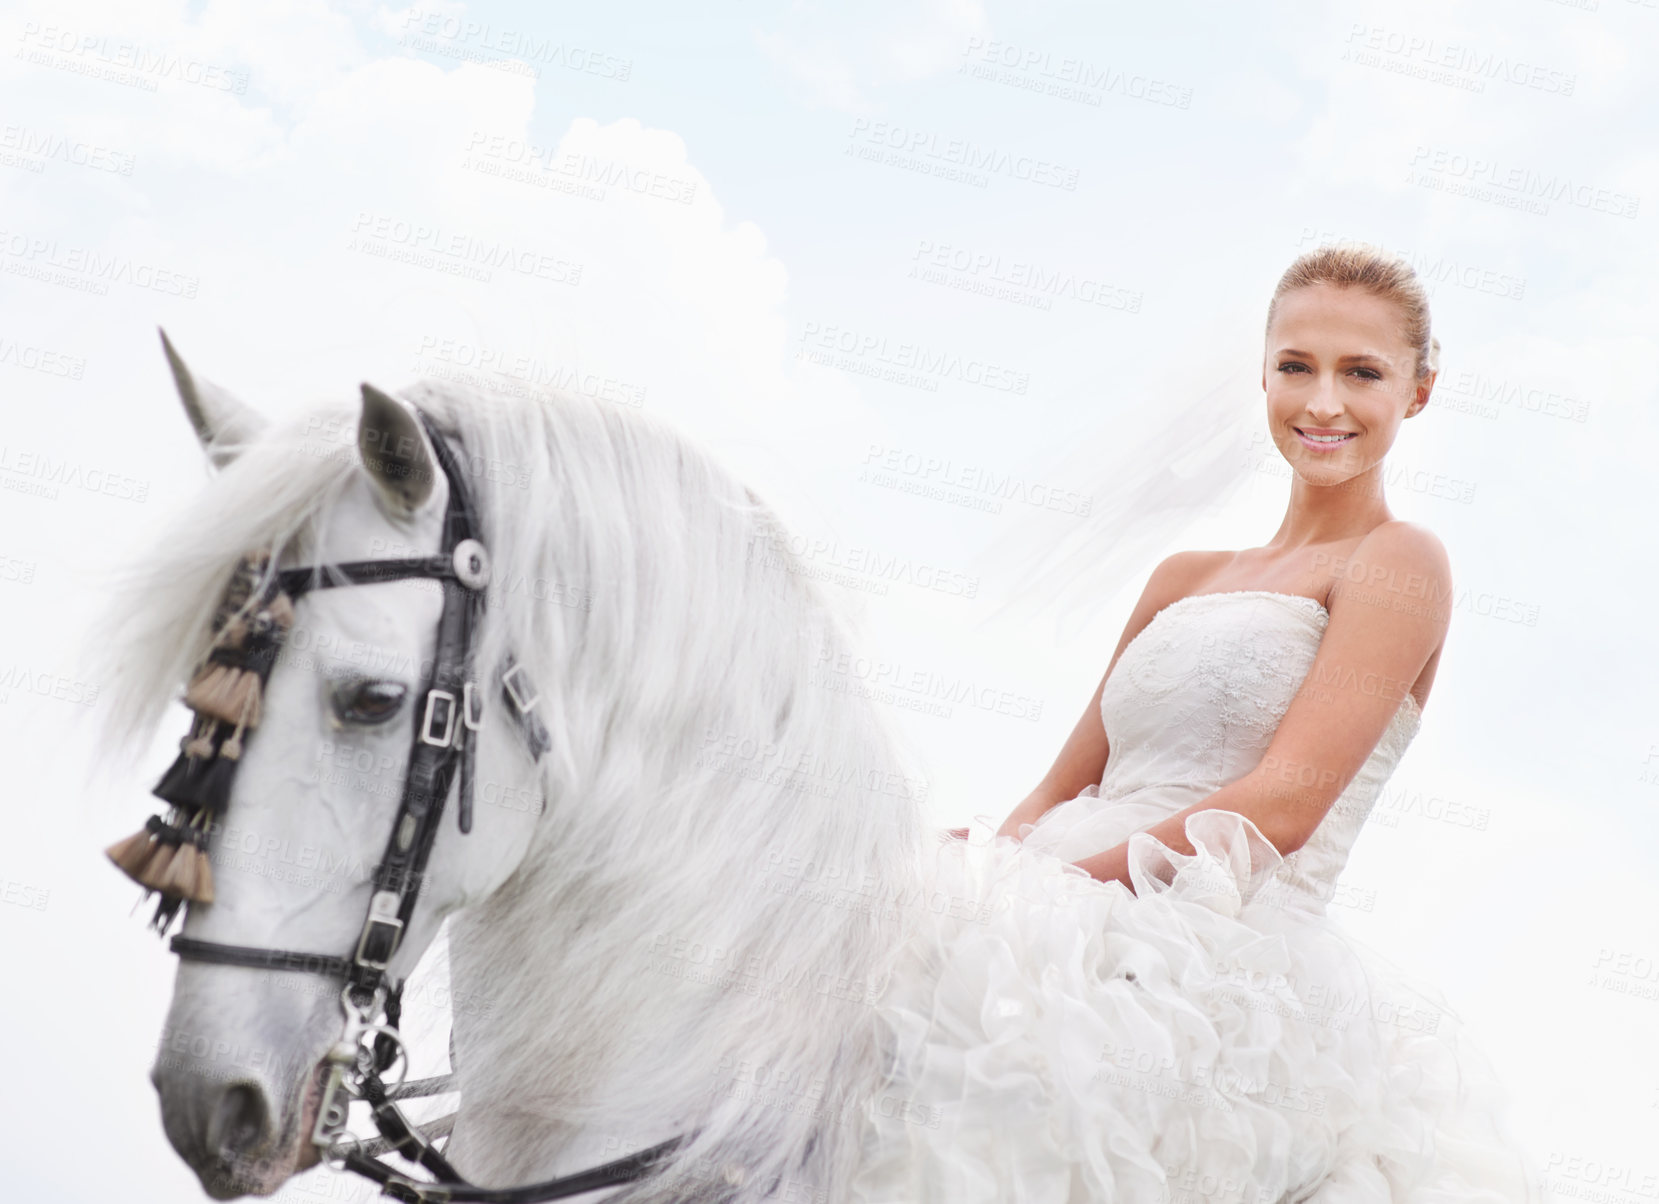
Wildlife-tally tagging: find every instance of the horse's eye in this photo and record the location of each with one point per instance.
(360, 701)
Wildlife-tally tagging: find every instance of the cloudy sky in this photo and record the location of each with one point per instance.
(877, 255)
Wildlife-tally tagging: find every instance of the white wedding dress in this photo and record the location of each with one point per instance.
(1214, 1037)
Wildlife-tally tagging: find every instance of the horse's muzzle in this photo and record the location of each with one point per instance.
(231, 1131)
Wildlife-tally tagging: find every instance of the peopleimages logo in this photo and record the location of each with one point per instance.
(87, 269)
(33, 683)
(1434, 269)
(974, 478)
(885, 567)
(941, 263)
(963, 153)
(902, 361)
(40, 146)
(24, 470)
(1488, 179)
(1444, 62)
(517, 373)
(99, 55)
(1065, 77)
(522, 160)
(454, 251)
(432, 29)
(41, 359)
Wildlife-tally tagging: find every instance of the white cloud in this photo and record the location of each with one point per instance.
(844, 57)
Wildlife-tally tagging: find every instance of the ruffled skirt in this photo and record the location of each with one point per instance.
(1056, 1040)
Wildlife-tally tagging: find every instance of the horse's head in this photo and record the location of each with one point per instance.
(712, 789)
(318, 788)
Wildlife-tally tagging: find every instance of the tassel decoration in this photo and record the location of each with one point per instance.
(200, 748)
(194, 780)
(170, 857)
(204, 870)
(166, 908)
(155, 868)
(179, 783)
(198, 745)
(213, 791)
(224, 689)
(176, 780)
(180, 878)
(131, 854)
(231, 749)
(228, 686)
(183, 877)
(187, 875)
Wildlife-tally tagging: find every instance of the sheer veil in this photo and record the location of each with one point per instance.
(1152, 466)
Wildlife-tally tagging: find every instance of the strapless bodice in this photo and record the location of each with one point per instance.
(1191, 705)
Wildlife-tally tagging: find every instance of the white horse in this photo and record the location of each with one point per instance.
(679, 919)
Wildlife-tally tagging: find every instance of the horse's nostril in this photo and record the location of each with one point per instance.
(238, 1122)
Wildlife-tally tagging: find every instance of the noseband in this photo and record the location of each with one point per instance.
(447, 719)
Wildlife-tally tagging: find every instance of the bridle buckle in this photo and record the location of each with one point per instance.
(472, 707)
(381, 932)
(513, 681)
(450, 714)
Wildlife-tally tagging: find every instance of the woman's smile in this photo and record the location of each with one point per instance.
(1322, 438)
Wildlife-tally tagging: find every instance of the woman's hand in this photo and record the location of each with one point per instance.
(1029, 811)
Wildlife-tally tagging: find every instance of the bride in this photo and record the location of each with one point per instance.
(1174, 867)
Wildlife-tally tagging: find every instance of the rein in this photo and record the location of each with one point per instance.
(171, 857)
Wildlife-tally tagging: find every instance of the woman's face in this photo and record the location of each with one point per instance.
(1338, 364)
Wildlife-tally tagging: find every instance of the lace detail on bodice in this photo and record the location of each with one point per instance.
(1193, 703)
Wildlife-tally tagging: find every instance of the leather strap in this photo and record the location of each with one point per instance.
(406, 1139)
(260, 959)
(620, 1170)
(297, 581)
(522, 697)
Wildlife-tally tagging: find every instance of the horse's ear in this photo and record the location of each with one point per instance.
(395, 452)
(223, 424)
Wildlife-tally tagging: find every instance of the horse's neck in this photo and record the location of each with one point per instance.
(609, 1023)
(580, 1058)
(534, 1049)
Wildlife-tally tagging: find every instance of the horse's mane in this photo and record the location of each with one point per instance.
(681, 651)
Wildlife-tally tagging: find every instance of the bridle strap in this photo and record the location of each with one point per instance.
(297, 581)
(620, 1170)
(260, 959)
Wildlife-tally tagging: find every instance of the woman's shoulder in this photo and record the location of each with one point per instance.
(1187, 571)
(1401, 550)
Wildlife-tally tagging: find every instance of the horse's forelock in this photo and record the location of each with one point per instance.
(158, 620)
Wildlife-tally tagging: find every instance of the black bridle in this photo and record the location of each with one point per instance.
(447, 718)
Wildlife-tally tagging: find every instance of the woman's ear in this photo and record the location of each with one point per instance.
(1421, 397)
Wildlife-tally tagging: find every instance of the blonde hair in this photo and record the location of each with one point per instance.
(1380, 273)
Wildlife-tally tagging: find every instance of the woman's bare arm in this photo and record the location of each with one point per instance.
(1374, 647)
(1082, 758)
